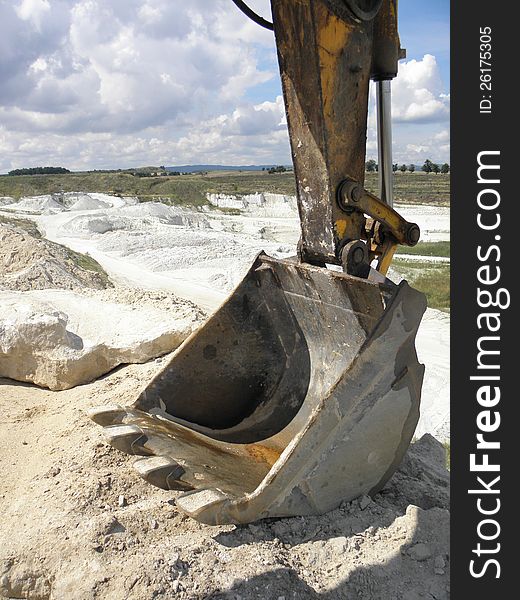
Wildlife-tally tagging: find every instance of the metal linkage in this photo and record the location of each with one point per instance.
(387, 228)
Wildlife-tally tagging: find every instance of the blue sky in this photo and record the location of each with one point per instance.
(425, 29)
(121, 83)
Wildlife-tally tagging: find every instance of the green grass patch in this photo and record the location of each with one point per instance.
(410, 188)
(87, 263)
(84, 261)
(427, 249)
(417, 188)
(432, 279)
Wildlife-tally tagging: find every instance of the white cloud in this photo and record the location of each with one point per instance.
(414, 145)
(129, 65)
(443, 136)
(33, 11)
(420, 114)
(434, 145)
(108, 83)
(249, 134)
(417, 92)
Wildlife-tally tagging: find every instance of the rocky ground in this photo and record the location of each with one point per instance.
(78, 523)
(200, 255)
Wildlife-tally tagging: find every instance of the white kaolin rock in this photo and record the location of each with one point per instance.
(58, 339)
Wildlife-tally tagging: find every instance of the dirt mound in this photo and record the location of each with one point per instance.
(159, 299)
(86, 202)
(78, 523)
(39, 204)
(49, 204)
(59, 338)
(30, 263)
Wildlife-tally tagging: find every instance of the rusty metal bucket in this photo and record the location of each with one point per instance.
(300, 392)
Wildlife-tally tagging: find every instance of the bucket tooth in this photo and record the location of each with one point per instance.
(162, 472)
(113, 414)
(127, 438)
(195, 504)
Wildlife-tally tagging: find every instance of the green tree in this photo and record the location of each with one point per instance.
(403, 168)
(39, 171)
(411, 168)
(395, 167)
(278, 169)
(428, 166)
(445, 168)
(371, 166)
(435, 168)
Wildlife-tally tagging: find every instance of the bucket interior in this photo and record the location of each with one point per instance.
(269, 355)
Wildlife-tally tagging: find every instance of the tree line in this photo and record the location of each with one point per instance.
(39, 171)
(428, 167)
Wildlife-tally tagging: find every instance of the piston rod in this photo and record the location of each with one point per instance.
(384, 140)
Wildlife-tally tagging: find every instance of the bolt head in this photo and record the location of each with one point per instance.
(356, 193)
(413, 234)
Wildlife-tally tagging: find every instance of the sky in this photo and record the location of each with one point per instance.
(93, 84)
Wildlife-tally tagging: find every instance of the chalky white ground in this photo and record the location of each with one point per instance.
(202, 255)
(78, 523)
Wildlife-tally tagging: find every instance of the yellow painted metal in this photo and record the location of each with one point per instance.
(381, 212)
(325, 63)
(386, 257)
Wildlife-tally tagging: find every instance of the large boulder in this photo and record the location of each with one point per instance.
(59, 339)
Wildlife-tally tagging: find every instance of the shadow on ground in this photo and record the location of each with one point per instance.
(394, 547)
(400, 577)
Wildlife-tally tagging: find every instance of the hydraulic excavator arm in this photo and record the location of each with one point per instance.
(303, 389)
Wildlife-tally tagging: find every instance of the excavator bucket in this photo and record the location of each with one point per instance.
(300, 392)
(303, 389)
